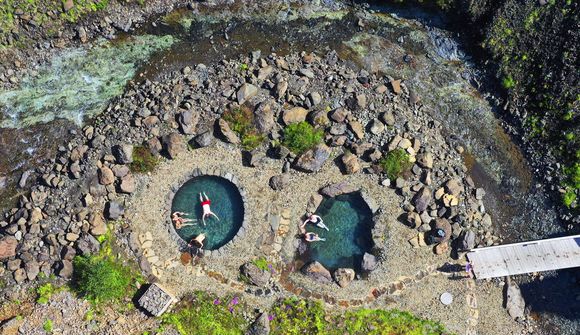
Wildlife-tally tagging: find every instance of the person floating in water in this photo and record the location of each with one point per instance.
(206, 209)
(315, 220)
(313, 237)
(179, 221)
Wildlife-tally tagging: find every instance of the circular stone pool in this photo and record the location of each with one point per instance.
(349, 220)
(226, 203)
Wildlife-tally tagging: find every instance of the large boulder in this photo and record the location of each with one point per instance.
(123, 153)
(317, 272)
(294, 115)
(106, 176)
(515, 303)
(261, 326)
(255, 275)
(425, 160)
(422, 199)
(369, 262)
(264, 118)
(245, 92)
(66, 269)
(350, 163)
(173, 145)
(337, 189)
(127, 184)
(227, 133)
(204, 139)
(441, 223)
(8, 247)
(114, 210)
(98, 225)
(188, 121)
(313, 159)
(467, 240)
(454, 187)
(343, 276)
(279, 182)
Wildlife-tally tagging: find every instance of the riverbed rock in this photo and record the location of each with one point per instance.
(123, 153)
(337, 189)
(454, 187)
(294, 115)
(343, 276)
(350, 163)
(388, 118)
(127, 184)
(173, 145)
(357, 129)
(279, 182)
(396, 86)
(67, 5)
(376, 127)
(114, 210)
(245, 92)
(467, 240)
(8, 247)
(97, 224)
(422, 199)
(204, 139)
(515, 303)
(313, 159)
(188, 121)
(339, 115)
(317, 271)
(369, 262)
(264, 118)
(425, 160)
(106, 176)
(227, 133)
(255, 275)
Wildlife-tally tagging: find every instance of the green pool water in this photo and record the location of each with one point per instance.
(226, 203)
(349, 220)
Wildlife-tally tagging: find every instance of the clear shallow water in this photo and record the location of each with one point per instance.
(349, 221)
(226, 203)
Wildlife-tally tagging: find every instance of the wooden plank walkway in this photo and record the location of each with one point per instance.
(525, 257)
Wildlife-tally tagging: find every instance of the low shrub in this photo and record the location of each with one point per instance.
(296, 316)
(392, 322)
(44, 293)
(203, 313)
(241, 121)
(302, 136)
(102, 278)
(395, 163)
(143, 160)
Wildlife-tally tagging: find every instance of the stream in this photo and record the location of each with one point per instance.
(410, 44)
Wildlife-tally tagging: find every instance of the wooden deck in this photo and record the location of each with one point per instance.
(525, 257)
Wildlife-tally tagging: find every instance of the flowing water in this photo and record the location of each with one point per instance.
(226, 203)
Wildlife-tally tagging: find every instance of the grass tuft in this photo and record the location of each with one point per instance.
(301, 137)
(395, 163)
(241, 121)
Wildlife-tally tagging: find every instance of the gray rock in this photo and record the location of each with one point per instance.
(88, 245)
(343, 277)
(315, 98)
(204, 139)
(261, 326)
(97, 224)
(32, 269)
(123, 153)
(350, 163)
(337, 189)
(66, 269)
(228, 134)
(376, 127)
(312, 160)
(515, 303)
(388, 118)
(255, 275)
(114, 210)
(24, 178)
(422, 199)
(294, 115)
(307, 73)
(479, 193)
(173, 145)
(369, 262)
(317, 272)
(279, 182)
(245, 92)
(425, 160)
(127, 184)
(188, 121)
(264, 118)
(467, 240)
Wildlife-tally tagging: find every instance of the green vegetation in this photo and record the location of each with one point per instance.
(296, 316)
(241, 121)
(244, 67)
(508, 82)
(262, 264)
(293, 316)
(47, 326)
(300, 137)
(101, 279)
(143, 160)
(568, 198)
(203, 313)
(395, 163)
(44, 293)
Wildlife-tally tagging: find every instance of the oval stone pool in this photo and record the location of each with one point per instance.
(349, 220)
(226, 203)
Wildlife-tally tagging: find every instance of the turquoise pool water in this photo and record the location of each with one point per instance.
(349, 220)
(226, 203)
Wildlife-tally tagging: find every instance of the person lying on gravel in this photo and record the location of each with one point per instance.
(313, 237)
(315, 220)
(206, 209)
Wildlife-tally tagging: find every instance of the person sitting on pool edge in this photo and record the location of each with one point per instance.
(179, 221)
(206, 209)
(313, 237)
(197, 241)
(315, 220)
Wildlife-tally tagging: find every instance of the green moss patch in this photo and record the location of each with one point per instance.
(241, 120)
(143, 160)
(302, 136)
(395, 163)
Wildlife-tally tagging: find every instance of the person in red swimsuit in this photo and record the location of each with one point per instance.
(206, 209)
